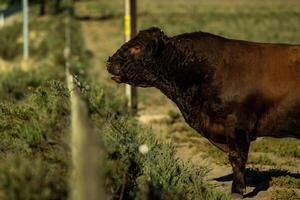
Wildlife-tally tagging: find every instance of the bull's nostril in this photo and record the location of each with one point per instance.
(116, 70)
(113, 68)
(108, 65)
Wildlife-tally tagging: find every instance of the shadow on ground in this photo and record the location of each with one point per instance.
(260, 180)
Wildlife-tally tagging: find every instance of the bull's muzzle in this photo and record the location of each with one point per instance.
(114, 70)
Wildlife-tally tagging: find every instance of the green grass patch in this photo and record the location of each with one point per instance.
(260, 160)
(288, 147)
(283, 194)
(286, 181)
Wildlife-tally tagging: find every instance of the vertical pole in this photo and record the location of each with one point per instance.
(130, 27)
(1, 19)
(42, 7)
(25, 30)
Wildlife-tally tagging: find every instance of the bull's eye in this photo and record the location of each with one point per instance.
(134, 50)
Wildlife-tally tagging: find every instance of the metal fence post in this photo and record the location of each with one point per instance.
(130, 27)
(1, 19)
(25, 30)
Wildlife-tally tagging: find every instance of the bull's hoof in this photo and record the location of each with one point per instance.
(236, 196)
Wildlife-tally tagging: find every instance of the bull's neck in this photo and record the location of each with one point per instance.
(187, 100)
(186, 80)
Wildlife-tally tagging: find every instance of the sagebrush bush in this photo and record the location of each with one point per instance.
(30, 179)
(15, 85)
(34, 157)
(157, 174)
(10, 47)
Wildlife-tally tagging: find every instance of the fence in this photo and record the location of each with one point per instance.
(85, 180)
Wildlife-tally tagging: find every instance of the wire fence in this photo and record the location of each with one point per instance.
(85, 180)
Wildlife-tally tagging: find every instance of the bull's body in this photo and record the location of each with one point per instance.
(258, 83)
(230, 91)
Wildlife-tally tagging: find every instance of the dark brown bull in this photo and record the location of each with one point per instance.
(230, 91)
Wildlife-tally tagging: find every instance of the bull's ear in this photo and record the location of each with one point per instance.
(160, 41)
(156, 40)
(154, 31)
(160, 45)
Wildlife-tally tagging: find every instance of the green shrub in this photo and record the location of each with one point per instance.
(34, 158)
(30, 179)
(158, 174)
(17, 84)
(10, 47)
(43, 116)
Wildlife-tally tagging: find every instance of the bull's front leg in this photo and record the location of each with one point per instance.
(238, 142)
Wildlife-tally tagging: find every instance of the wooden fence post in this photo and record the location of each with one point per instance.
(85, 182)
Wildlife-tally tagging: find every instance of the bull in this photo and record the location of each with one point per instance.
(230, 91)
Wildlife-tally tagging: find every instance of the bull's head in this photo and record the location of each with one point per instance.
(135, 63)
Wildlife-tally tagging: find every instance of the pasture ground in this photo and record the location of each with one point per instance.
(274, 165)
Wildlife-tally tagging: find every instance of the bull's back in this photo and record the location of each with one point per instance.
(273, 69)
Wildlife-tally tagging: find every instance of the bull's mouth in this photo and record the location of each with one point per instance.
(113, 70)
(116, 78)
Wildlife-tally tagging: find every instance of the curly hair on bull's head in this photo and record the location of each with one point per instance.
(135, 62)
